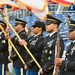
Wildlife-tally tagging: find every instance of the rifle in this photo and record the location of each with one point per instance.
(57, 54)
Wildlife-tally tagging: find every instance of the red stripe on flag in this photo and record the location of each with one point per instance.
(63, 2)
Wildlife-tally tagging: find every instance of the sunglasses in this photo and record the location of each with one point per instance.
(16, 24)
(71, 30)
(48, 22)
(34, 27)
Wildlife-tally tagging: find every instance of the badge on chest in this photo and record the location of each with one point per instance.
(50, 43)
(72, 50)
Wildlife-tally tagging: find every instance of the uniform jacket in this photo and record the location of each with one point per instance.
(48, 53)
(68, 65)
(3, 49)
(32, 44)
(16, 61)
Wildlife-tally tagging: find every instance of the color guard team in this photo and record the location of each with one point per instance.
(42, 48)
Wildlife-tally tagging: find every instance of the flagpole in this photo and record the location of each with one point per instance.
(6, 14)
(20, 39)
(74, 1)
(9, 42)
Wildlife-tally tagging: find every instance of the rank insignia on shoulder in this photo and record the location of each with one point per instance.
(73, 48)
(4, 41)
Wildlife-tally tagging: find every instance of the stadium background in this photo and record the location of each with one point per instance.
(57, 11)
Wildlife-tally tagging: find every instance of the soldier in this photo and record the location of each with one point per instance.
(67, 21)
(48, 46)
(3, 50)
(68, 64)
(17, 64)
(35, 40)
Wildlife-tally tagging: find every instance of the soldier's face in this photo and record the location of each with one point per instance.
(71, 35)
(16, 27)
(36, 30)
(50, 28)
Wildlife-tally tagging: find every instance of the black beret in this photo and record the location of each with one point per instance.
(39, 24)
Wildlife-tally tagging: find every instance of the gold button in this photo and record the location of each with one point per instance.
(50, 52)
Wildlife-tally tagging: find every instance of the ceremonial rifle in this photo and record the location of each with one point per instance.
(57, 54)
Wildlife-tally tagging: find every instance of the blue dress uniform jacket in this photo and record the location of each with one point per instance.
(32, 44)
(3, 49)
(48, 53)
(16, 60)
(68, 65)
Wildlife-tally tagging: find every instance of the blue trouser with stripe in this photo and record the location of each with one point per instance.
(18, 71)
(2, 69)
(32, 72)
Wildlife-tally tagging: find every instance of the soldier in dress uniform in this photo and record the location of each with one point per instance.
(68, 64)
(3, 50)
(35, 40)
(48, 46)
(17, 63)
